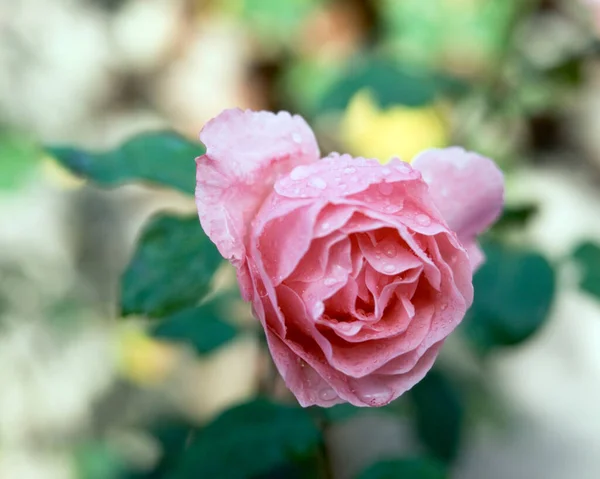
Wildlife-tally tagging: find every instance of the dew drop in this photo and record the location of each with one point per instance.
(299, 173)
(349, 170)
(386, 171)
(327, 394)
(374, 395)
(389, 268)
(329, 281)
(390, 251)
(385, 188)
(423, 220)
(444, 306)
(402, 166)
(318, 183)
(296, 138)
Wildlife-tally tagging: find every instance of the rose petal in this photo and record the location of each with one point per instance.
(467, 188)
(245, 154)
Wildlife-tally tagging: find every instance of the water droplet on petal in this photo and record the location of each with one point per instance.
(389, 268)
(296, 138)
(423, 220)
(390, 251)
(402, 166)
(318, 183)
(349, 170)
(329, 281)
(385, 188)
(327, 394)
(386, 171)
(374, 395)
(444, 306)
(299, 173)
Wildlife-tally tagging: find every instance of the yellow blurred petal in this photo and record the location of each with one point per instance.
(144, 360)
(60, 176)
(398, 131)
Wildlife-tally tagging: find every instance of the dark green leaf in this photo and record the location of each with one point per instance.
(248, 441)
(439, 415)
(172, 435)
(413, 468)
(513, 294)
(204, 327)
(339, 412)
(163, 158)
(171, 269)
(516, 216)
(390, 84)
(587, 256)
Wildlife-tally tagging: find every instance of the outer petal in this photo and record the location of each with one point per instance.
(467, 188)
(245, 154)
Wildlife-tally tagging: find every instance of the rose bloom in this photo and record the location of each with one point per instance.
(357, 271)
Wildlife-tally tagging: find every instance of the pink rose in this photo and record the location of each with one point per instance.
(357, 271)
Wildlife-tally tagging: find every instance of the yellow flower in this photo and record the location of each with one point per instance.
(144, 360)
(399, 131)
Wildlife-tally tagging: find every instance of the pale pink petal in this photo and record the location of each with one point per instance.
(245, 154)
(467, 188)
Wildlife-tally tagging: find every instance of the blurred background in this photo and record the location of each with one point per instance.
(109, 367)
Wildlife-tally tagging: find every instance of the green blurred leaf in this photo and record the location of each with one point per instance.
(390, 84)
(515, 216)
(275, 20)
(171, 269)
(250, 440)
(98, 461)
(587, 256)
(413, 468)
(204, 327)
(18, 158)
(439, 412)
(514, 290)
(172, 435)
(163, 158)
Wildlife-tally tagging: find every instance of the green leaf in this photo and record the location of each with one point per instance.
(250, 440)
(439, 413)
(587, 256)
(98, 461)
(18, 159)
(515, 217)
(514, 290)
(390, 84)
(162, 158)
(413, 468)
(204, 327)
(171, 269)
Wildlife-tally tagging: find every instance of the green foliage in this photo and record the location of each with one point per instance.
(513, 294)
(587, 257)
(438, 412)
(204, 327)
(162, 158)
(171, 269)
(98, 461)
(515, 217)
(413, 468)
(250, 440)
(391, 85)
(18, 158)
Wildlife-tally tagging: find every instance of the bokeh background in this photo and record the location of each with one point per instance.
(86, 392)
